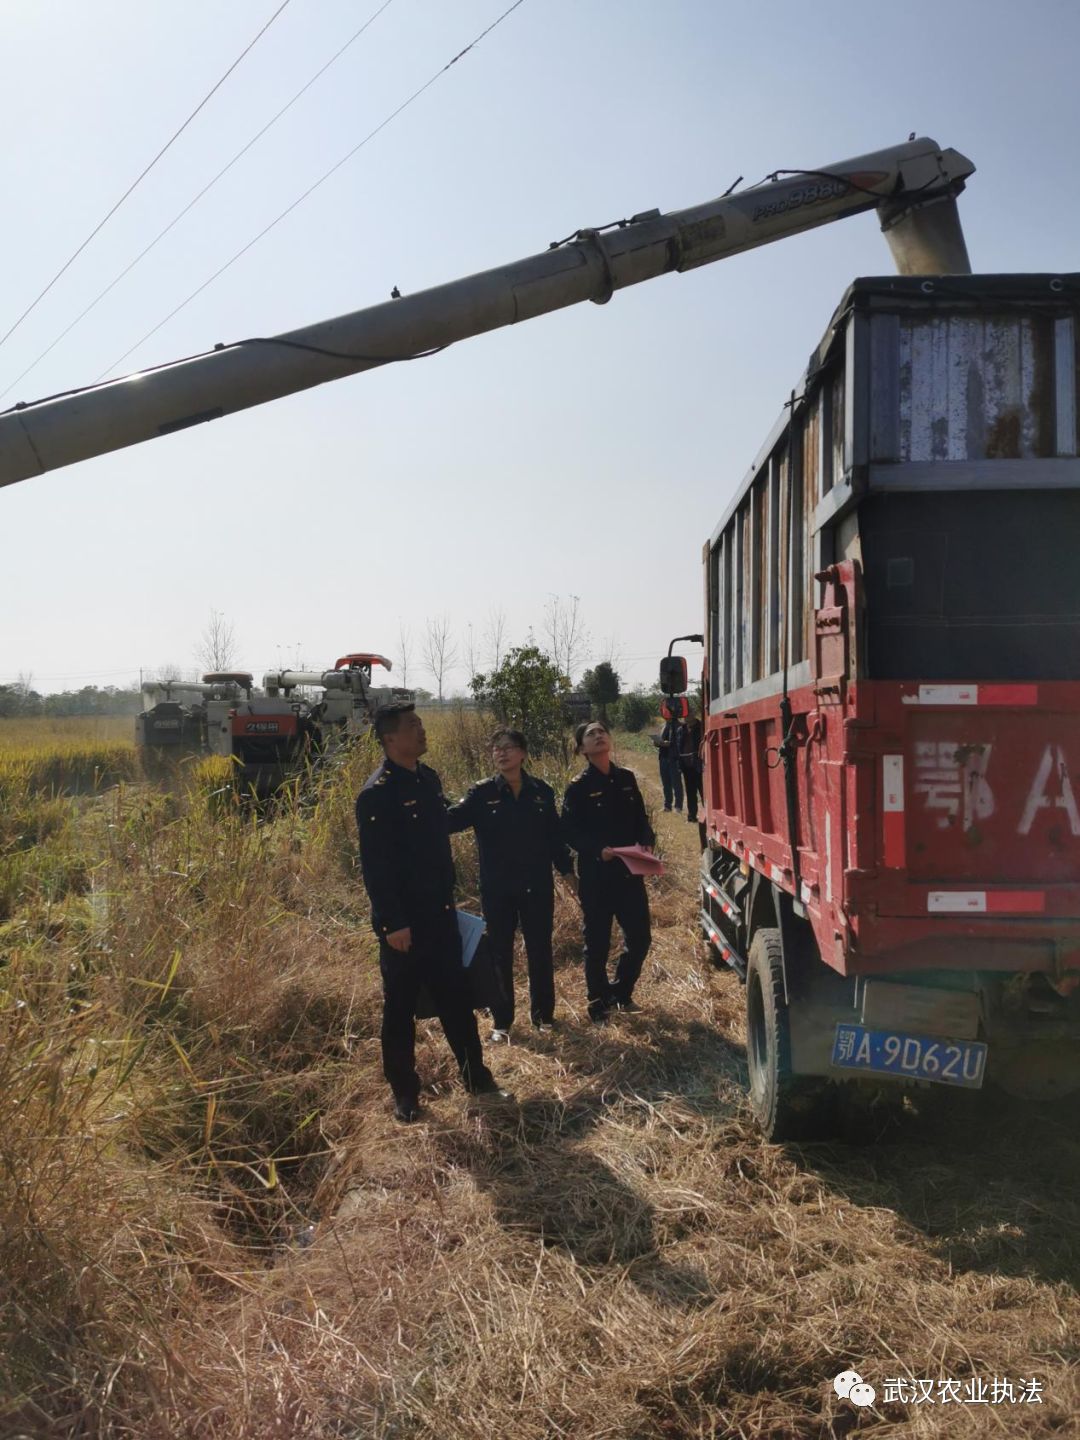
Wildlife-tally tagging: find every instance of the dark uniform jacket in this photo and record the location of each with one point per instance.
(601, 810)
(405, 847)
(519, 839)
(690, 744)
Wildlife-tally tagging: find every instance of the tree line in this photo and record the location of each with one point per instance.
(22, 702)
(540, 685)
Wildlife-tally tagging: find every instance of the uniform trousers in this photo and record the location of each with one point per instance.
(434, 960)
(534, 911)
(671, 778)
(614, 894)
(692, 781)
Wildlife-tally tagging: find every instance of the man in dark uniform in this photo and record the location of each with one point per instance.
(519, 839)
(603, 808)
(690, 760)
(409, 874)
(669, 745)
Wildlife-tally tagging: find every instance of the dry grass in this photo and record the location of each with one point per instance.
(212, 1227)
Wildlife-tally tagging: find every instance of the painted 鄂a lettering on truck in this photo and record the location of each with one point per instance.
(1052, 790)
(892, 696)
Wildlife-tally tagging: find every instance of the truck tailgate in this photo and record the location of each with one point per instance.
(979, 803)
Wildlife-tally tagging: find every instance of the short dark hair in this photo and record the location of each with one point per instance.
(388, 716)
(514, 736)
(579, 733)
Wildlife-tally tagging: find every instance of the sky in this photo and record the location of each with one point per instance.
(587, 453)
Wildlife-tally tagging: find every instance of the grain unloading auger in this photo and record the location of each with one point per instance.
(913, 187)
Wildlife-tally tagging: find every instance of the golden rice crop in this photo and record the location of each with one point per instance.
(58, 730)
(64, 756)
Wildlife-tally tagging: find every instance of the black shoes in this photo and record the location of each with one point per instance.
(599, 1010)
(488, 1085)
(407, 1110)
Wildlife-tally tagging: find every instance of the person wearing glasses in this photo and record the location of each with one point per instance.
(520, 842)
(603, 808)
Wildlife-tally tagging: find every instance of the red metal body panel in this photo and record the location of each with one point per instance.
(361, 658)
(938, 825)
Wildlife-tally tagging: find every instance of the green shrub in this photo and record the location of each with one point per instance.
(634, 711)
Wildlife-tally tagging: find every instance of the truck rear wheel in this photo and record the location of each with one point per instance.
(785, 1106)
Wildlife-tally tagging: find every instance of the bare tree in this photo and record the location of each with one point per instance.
(216, 650)
(440, 651)
(565, 632)
(404, 651)
(495, 636)
(610, 652)
(167, 673)
(472, 658)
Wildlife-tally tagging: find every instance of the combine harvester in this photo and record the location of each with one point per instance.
(269, 736)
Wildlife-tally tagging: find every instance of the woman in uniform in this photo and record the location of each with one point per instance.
(520, 842)
(602, 809)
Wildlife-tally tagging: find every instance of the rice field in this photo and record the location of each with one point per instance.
(65, 756)
(211, 1227)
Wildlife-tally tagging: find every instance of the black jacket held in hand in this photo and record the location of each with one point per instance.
(519, 839)
(405, 847)
(601, 810)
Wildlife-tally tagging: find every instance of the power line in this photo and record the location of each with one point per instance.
(195, 199)
(312, 188)
(141, 177)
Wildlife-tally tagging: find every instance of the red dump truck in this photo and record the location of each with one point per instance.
(891, 701)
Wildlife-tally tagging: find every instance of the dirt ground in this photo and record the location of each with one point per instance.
(617, 1253)
(612, 1254)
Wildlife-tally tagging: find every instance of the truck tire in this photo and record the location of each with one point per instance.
(785, 1106)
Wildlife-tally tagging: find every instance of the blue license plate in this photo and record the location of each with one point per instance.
(913, 1057)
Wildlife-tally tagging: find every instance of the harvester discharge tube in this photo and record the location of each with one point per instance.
(591, 265)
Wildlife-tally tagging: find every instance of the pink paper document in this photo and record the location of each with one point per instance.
(638, 860)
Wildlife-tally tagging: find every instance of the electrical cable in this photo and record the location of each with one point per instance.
(372, 360)
(142, 176)
(774, 176)
(312, 188)
(335, 354)
(195, 199)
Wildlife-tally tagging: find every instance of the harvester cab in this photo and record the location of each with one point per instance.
(347, 701)
(363, 662)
